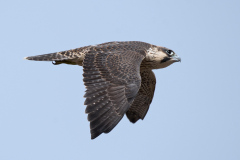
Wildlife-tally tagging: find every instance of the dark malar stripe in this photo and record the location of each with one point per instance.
(165, 59)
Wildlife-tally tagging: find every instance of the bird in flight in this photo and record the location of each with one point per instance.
(118, 77)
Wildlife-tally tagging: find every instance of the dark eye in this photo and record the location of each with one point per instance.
(170, 52)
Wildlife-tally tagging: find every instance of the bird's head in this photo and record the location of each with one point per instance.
(161, 57)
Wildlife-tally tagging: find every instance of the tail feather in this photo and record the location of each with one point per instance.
(73, 57)
(49, 57)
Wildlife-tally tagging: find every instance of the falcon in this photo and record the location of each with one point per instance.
(118, 77)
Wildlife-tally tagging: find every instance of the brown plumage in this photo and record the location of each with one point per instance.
(118, 78)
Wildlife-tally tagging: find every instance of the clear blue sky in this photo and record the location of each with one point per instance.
(195, 113)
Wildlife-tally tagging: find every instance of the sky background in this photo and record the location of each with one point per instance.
(195, 113)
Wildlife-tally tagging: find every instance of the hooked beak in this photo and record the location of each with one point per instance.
(176, 58)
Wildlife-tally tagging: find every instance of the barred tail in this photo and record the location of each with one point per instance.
(49, 57)
(73, 57)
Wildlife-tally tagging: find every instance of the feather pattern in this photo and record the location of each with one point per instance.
(142, 101)
(118, 78)
(112, 81)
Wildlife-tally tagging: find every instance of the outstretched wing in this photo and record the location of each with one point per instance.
(112, 79)
(141, 103)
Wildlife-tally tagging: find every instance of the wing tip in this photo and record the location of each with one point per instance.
(26, 58)
(95, 135)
